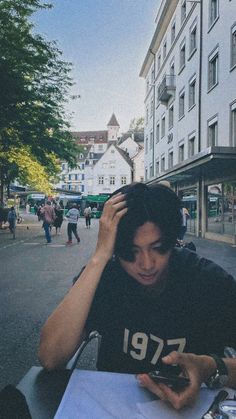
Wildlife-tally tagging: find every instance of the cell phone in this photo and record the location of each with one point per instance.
(175, 382)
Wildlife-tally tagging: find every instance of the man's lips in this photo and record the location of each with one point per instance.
(148, 277)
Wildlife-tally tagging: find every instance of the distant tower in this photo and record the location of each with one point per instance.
(113, 128)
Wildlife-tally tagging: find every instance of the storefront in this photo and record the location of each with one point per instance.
(206, 185)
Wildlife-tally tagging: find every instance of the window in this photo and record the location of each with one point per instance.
(101, 180)
(171, 159)
(233, 46)
(192, 92)
(233, 124)
(151, 111)
(182, 56)
(159, 62)
(158, 133)
(163, 126)
(112, 180)
(181, 104)
(213, 11)
(163, 163)
(193, 39)
(151, 174)
(164, 50)
(212, 132)
(191, 145)
(151, 141)
(123, 180)
(172, 32)
(181, 153)
(112, 164)
(157, 167)
(172, 69)
(183, 11)
(213, 69)
(171, 116)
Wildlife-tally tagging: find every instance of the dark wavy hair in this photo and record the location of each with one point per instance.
(157, 204)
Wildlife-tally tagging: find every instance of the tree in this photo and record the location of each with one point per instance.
(136, 124)
(20, 164)
(34, 86)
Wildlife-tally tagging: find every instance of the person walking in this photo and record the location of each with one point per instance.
(11, 218)
(185, 216)
(59, 218)
(72, 216)
(49, 216)
(87, 214)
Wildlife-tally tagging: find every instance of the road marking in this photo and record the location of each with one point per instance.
(56, 245)
(32, 244)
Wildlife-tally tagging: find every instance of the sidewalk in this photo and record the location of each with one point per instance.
(28, 229)
(221, 253)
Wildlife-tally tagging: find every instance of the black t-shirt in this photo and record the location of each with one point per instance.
(195, 312)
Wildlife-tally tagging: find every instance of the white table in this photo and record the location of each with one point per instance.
(103, 395)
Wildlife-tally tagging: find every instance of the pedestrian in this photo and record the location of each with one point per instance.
(35, 209)
(152, 303)
(48, 215)
(185, 216)
(11, 218)
(72, 217)
(39, 212)
(59, 218)
(27, 208)
(87, 214)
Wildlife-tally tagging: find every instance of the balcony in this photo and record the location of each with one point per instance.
(166, 89)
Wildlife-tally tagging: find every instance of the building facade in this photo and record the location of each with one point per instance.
(105, 162)
(190, 123)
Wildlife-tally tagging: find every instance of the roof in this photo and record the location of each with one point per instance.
(113, 121)
(124, 154)
(84, 137)
(137, 136)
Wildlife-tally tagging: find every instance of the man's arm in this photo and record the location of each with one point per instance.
(198, 368)
(64, 330)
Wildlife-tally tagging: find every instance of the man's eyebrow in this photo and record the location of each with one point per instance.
(159, 242)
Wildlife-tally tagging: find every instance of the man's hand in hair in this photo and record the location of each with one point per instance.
(114, 209)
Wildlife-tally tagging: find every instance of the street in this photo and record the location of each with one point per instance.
(34, 278)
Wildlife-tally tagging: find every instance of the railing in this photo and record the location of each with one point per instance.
(166, 88)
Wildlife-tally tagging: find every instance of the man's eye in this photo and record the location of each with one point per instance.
(157, 247)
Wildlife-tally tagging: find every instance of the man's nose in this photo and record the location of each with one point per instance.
(146, 261)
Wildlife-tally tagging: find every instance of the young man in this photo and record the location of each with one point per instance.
(48, 215)
(72, 217)
(87, 214)
(151, 302)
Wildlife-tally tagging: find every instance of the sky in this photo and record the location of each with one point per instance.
(106, 41)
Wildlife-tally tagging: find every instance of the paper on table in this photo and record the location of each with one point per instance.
(102, 395)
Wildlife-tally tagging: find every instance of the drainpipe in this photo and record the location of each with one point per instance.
(200, 214)
(154, 107)
(200, 79)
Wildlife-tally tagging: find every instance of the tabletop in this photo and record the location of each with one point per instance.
(99, 395)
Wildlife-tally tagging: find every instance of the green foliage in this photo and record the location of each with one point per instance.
(34, 86)
(137, 124)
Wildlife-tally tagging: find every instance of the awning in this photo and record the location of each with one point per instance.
(213, 162)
